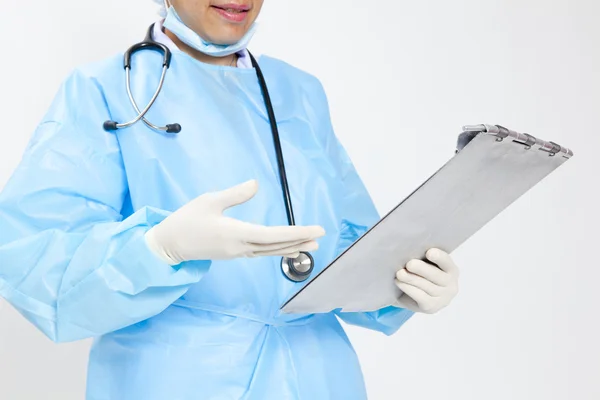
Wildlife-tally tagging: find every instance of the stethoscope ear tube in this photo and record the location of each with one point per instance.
(147, 44)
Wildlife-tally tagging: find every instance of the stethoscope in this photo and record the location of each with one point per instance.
(295, 269)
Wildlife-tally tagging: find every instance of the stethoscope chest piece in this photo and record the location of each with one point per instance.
(298, 269)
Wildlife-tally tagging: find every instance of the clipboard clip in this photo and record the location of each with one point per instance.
(551, 148)
(501, 133)
(498, 130)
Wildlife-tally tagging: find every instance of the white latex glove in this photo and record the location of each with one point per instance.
(200, 231)
(428, 288)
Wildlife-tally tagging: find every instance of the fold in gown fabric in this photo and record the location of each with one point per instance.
(74, 262)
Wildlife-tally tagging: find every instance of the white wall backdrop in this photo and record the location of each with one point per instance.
(402, 78)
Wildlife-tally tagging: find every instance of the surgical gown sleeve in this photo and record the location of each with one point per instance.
(358, 215)
(69, 261)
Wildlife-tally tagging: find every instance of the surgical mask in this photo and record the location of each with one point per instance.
(174, 23)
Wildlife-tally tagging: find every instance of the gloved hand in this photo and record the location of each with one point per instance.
(428, 288)
(200, 231)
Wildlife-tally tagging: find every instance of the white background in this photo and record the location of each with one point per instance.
(402, 78)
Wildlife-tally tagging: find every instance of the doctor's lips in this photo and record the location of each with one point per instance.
(232, 12)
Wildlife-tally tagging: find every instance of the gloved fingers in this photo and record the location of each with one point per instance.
(407, 303)
(285, 250)
(311, 245)
(430, 272)
(290, 251)
(234, 196)
(442, 260)
(276, 234)
(415, 280)
(274, 246)
(425, 302)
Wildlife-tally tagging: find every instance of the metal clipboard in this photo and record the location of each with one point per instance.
(492, 168)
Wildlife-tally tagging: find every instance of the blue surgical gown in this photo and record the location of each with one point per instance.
(74, 262)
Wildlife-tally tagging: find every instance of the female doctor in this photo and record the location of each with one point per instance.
(150, 243)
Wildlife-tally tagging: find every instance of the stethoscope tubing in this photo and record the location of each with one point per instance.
(296, 270)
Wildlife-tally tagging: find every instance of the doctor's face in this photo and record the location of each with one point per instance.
(218, 21)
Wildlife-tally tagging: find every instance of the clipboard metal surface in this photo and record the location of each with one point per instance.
(493, 167)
